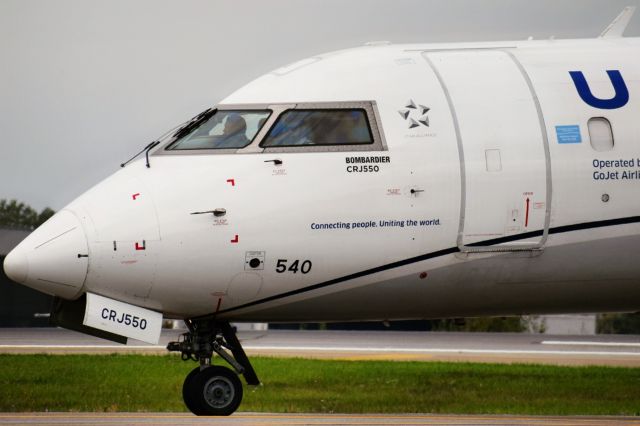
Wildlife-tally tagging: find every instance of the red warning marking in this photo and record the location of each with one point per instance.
(526, 215)
(219, 303)
(232, 182)
(235, 240)
(136, 195)
(141, 247)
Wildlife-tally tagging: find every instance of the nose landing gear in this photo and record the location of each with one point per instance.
(213, 390)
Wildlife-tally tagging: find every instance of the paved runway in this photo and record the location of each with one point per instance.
(81, 419)
(424, 346)
(381, 345)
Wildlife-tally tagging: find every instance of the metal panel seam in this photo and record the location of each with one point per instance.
(545, 139)
(456, 125)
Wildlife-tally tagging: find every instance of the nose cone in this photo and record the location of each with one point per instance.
(53, 258)
(16, 266)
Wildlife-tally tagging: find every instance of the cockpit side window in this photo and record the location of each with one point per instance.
(226, 129)
(305, 127)
(326, 127)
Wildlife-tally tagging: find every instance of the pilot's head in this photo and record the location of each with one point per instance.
(234, 124)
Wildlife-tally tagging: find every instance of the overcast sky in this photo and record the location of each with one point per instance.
(86, 84)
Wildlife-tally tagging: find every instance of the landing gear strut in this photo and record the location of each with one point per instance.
(210, 390)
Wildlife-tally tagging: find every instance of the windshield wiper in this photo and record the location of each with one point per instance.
(195, 122)
(146, 150)
(182, 131)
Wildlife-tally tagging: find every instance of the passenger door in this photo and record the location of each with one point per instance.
(503, 150)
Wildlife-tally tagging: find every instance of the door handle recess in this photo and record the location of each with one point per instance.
(277, 161)
(217, 212)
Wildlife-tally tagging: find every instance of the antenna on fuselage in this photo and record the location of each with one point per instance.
(619, 25)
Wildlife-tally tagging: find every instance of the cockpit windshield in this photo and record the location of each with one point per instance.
(226, 129)
(299, 127)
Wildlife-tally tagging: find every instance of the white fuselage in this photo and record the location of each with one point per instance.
(503, 198)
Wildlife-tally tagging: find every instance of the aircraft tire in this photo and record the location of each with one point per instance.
(187, 390)
(214, 391)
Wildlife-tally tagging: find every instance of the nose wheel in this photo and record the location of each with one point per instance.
(210, 390)
(187, 391)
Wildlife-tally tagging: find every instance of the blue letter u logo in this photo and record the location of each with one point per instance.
(618, 101)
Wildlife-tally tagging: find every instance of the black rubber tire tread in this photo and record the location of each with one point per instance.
(187, 392)
(202, 408)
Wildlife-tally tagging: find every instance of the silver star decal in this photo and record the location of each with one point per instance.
(404, 113)
(415, 114)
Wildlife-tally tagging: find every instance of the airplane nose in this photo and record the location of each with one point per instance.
(53, 259)
(16, 266)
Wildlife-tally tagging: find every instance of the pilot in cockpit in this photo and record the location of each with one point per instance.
(234, 133)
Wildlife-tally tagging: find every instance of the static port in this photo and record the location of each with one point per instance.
(254, 263)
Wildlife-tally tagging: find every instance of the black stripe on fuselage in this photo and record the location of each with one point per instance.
(501, 240)
(557, 230)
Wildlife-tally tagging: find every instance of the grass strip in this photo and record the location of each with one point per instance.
(153, 383)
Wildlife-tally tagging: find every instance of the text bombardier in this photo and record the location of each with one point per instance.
(365, 164)
(367, 160)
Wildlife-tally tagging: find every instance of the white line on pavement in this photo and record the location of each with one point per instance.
(579, 343)
(343, 349)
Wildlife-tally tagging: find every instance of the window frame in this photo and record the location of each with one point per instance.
(606, 121)
(371, 115)
(174, 141)
(261, 144)
(276, 110)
